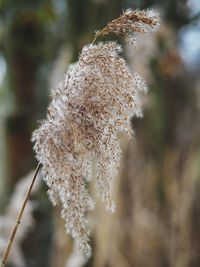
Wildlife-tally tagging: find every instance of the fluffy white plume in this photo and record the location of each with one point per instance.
(95, 101)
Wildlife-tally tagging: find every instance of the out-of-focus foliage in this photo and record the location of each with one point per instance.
(157, 222)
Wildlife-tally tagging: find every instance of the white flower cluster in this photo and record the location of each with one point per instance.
(94, 102)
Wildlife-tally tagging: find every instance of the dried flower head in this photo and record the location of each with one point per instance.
(131, 23)
(95, 101)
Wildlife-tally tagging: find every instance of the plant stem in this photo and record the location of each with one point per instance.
(18, 221)
(97, 35)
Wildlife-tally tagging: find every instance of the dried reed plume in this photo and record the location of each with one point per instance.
(95, 101)
(130, 24)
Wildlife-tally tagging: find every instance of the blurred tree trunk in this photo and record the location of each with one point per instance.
(23, 54)
(19, 122)
(27, 49)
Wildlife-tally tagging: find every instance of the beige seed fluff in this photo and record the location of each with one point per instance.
(89, 108)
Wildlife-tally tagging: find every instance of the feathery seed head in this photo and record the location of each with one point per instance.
(95, 101)
(131, 23)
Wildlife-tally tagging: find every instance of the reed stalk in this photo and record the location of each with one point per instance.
(18, 220)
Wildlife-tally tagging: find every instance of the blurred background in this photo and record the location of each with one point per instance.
(157, 222)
